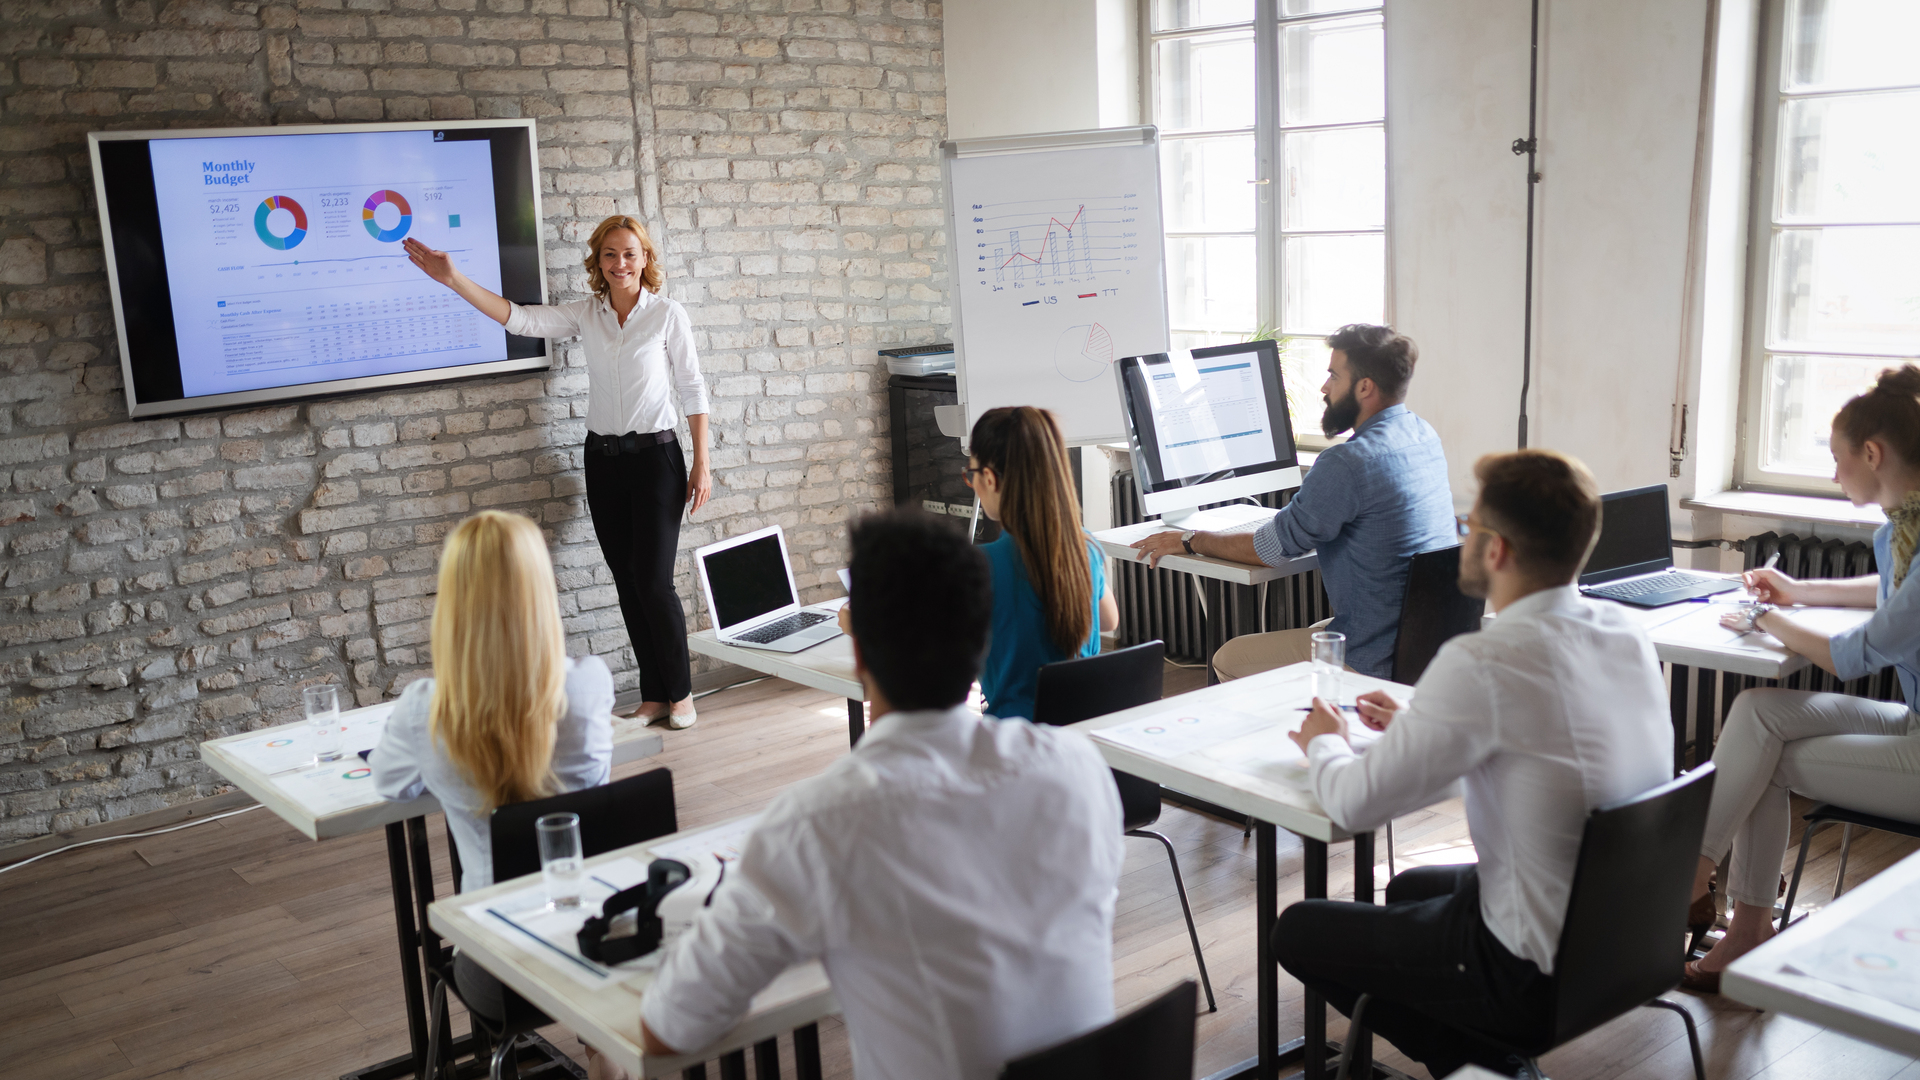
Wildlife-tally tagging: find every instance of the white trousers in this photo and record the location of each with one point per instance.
(1854, 752)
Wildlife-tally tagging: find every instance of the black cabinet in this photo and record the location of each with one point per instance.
(926, 464)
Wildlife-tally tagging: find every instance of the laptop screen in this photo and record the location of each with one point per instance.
(1634, 536)
(748, 581)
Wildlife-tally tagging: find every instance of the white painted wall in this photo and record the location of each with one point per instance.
(1016, 67)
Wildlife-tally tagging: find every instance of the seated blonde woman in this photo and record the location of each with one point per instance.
(507, 716)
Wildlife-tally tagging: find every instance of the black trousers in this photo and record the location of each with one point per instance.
(1430, 963)
(636, 500)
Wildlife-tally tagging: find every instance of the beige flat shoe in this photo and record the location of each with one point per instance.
(681, 715)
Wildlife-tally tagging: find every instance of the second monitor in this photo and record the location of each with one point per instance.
(1207, 426)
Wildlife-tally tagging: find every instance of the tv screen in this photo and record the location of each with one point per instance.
(252, 265)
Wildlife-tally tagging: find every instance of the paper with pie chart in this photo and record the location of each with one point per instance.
(1171, 733)
(1876, 952)
(285, 264)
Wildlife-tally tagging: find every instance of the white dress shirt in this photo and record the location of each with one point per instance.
(1556, 708)
(408, 762)
(956, 874)
(633, 370)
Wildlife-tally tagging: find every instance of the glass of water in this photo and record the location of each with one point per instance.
(323, 722)
(560, 862)
(1329, 662)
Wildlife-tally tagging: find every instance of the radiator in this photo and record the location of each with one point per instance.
(1167, 604)
(1812, 557)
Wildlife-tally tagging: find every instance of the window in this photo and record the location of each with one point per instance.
(1836, 283)
(1273, 143)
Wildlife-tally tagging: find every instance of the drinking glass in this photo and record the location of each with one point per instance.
(1329, 662)
(560, 863)
(323, 721)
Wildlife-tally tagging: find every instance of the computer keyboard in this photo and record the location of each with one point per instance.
(1243, 527)
(780, 628)
(1658, 583)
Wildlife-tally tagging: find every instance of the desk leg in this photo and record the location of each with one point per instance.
(409, 935)
(1677, 707)
(1314, 1031)
(1266, 912)
(1362, 893)
(856, 721)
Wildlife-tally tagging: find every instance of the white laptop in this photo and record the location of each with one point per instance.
(750, 594)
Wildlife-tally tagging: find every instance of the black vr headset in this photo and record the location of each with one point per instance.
(663, 876)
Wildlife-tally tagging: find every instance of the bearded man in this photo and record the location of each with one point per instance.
(1367, 506)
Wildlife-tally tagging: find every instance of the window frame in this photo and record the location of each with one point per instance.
(1269, 131)
(1764, 201)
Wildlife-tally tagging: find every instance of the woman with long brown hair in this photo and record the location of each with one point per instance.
(642, 375)
(507, 715)
(1859, 753)
(1050, 599)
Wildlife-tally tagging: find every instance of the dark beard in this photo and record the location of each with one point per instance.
(1474, 581)
(1340, 415)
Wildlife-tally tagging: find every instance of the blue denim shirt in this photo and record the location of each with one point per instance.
(1892, 636)
(1368, 505)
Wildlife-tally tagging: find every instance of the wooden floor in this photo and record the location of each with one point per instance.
(239, 948)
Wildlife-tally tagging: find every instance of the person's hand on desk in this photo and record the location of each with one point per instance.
(1234, 547)
(1770, 586)
(1377, 709)
(1323, 720)
(1159, 546)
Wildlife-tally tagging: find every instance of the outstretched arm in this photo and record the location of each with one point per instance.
(438, 265)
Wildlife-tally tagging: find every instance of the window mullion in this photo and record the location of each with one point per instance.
(1267, 151)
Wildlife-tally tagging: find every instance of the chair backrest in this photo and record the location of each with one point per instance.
(613, 815)
(1619, 947)
(1432, 610)
(1153, 1042)
(1089, 686)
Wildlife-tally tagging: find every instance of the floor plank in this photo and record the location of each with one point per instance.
(238, 948)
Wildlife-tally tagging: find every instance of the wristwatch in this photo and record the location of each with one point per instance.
(1753, 613)
(1186, 540)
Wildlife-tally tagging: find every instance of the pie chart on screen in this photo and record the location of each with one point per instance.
(371, 215)
(293, 222)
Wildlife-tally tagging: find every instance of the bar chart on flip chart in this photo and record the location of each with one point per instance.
(1059, 271)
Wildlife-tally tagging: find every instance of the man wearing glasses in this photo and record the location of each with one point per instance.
(1367, 506)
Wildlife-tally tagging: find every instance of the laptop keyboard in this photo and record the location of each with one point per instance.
(1657, 583)
(779, 628)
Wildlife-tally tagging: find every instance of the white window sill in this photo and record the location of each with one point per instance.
(1766, 504)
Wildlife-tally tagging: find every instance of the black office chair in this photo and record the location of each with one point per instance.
(614, 815)
(1153, 1042)
(1432, 611)
(1829, 814)
(1619, 945)
(1081, 689)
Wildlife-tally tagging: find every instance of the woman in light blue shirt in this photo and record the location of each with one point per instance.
(1050, 599)
(508, 716)
(1861, 754)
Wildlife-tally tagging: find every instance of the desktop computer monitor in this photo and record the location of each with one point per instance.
(1207, 426)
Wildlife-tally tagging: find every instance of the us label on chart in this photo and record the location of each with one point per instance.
(284, 260)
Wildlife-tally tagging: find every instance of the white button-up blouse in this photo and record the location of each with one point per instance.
(633, 371)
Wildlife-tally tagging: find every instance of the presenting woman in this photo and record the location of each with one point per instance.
(1050, 598)
(1861, 754)
(640, 359)
(507, 716)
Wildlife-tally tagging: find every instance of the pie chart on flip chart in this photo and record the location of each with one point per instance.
(386, 206)
(280, 222)
(1083, 353)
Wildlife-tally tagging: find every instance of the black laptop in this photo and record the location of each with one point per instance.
(1632, 562)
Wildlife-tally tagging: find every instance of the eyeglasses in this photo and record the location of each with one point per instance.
(1464, 528)
(968, 472)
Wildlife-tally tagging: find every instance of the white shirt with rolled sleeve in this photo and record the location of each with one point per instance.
(957, 876)
(634, 371)
(1555, 708)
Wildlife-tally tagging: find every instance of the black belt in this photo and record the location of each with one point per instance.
(630, 443)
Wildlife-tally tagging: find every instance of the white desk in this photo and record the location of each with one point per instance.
(1117, 543)
(827, 666)
(1758, 978)
(408, 863)
(608, 1017)
(1275, 794)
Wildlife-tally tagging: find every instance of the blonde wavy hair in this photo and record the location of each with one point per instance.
(499, 658)
(650, 278)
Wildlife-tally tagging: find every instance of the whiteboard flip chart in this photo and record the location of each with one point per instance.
(1058, 271)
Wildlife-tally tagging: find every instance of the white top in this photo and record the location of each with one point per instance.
(633, 370)
(956, 874)
(407, 762)
(1555, 708)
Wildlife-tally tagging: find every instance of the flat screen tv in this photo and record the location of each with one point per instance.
(252, 265)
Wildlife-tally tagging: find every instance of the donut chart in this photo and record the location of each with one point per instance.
(386, 236)
(292, 239)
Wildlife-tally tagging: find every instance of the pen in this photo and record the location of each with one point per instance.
(1344, 708)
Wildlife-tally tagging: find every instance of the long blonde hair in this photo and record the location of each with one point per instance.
(1025, 449)
(650, 278)
(499, 658)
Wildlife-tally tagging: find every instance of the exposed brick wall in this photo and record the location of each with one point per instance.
(169, 581)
